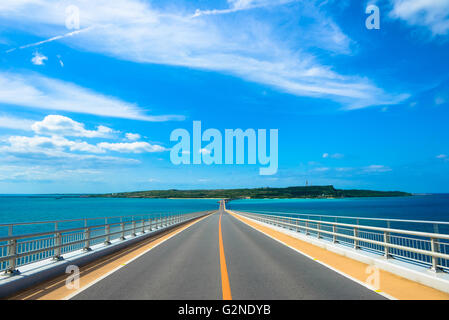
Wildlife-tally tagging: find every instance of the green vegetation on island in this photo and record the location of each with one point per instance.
(258, 193)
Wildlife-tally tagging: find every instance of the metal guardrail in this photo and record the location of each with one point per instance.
(422, 248)
(20, 250)
(418, 225)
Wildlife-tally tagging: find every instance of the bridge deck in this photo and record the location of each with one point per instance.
(188, 265)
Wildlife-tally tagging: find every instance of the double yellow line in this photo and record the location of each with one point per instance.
(226, 288)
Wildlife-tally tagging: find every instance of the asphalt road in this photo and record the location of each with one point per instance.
(187, 266)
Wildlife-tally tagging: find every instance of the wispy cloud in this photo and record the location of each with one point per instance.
(36, 91)
(64, 126)
(36, 173)
(257, 50)
(50, 142)
(333, 156)
(132, 136)
(38, 59)
(432, 14)
(242, 5)
(131, 147)
(36, 44)
(376, 168)
(15, 123)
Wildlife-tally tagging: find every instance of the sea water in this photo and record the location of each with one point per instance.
(432, 207)
(33, 208)
(30, 208)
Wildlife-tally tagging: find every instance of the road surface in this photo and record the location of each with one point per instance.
(253, 266)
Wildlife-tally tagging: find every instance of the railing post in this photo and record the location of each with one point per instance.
(434, 248)
(319, 228)
(12, 250)
(334, 231)
(86, 237)
(57, 252)
(307, 228)
(356, 235)
(143, 226)
(107, 232)
(122, 227)
(134, 227)
(386, 248)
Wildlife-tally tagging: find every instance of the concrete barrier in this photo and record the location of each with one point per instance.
(436, 280)
(39, 272)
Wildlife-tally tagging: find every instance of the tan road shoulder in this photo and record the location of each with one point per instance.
(56, 289)
(390, 284)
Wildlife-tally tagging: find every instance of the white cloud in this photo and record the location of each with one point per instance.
(51, 146)
(255, 49)
(441, 156)
(57, 146)
(35, 91)
(15, 123)
(241, 5)
(50, 140)
(432, 14)
(132, 136)
(44, 173)
(38, 59)
(337, 156)
(376, 168)
(64, 126)
(132, 147)
(61, 63)
(333, 156)
(344, 169)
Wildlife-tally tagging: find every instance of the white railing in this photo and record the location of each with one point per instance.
(422, 248)
(23, 249)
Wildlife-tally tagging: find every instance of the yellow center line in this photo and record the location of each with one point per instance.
(226, 288)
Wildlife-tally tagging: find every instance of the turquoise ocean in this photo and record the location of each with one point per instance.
(30, 208)
(33, 208)
(431, 207)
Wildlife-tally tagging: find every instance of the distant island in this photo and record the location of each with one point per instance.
(316, 192)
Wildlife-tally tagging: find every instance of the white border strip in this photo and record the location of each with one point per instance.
(322, 263)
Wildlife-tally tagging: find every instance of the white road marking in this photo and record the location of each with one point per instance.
(322, 263)
(70, 296)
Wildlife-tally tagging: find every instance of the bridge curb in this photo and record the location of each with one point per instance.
(405, 270)
(44, 272)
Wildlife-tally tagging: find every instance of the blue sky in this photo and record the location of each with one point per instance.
(92, 109)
